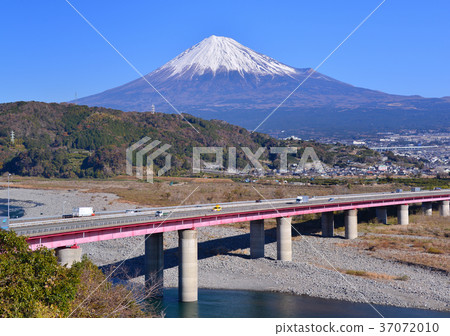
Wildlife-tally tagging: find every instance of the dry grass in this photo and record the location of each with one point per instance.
(240, 252)
(366, 274)
(373, 275)
(434, 250)
(424, 242)
(400, 243)
(432, 261)
(99, 298)
(431, 253)
(161, 193)
(420, 225)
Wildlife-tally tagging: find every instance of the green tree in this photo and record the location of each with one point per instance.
(32, 284)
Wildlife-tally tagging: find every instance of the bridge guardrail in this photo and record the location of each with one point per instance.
(136, 218)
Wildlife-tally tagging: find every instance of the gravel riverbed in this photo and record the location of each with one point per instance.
(224, 261)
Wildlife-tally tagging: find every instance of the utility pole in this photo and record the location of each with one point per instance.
(8, 195)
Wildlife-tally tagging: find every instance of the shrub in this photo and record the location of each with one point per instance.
(32, 284)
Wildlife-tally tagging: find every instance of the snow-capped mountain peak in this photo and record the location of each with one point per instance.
(223, 54)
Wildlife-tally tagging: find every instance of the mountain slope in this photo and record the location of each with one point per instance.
(222, 79)
(66, 140)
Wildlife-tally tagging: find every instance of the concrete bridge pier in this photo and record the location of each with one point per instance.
(154, 262)
(257, 239)
(427, 208)
(402, 214)
(327, 220)
(351, 224)
(188, 267)
(382, 214)
(284, 238)
(68, 255)
(444, 208)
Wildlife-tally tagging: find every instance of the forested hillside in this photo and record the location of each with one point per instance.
(66, 140)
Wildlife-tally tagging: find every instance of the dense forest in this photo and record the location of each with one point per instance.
(69, 141)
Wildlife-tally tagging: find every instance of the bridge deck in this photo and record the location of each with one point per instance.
(62, 232)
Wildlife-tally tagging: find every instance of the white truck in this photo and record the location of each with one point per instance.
(302, 199)
(83, 212)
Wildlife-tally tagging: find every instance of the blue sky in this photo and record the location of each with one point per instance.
(48, 53)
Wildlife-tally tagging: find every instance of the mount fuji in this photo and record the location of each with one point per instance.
(220, 78)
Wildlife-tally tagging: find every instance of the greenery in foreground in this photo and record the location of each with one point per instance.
(32, 284)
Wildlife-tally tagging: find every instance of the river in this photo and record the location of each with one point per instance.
(233, 303)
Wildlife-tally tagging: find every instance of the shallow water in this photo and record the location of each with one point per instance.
(233, 303)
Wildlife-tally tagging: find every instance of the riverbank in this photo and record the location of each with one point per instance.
(321, 267)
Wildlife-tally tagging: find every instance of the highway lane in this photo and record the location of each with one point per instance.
(37, 228)
(195, 207)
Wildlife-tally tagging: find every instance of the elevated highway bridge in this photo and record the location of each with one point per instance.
(67, 234)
